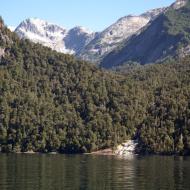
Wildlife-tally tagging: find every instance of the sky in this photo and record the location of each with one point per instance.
(95, 15)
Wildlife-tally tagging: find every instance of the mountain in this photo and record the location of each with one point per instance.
(131, 38)
(80, 41)
(166, 36)
(112, 36)
(52, 102)
(54, 36)
(77, 38)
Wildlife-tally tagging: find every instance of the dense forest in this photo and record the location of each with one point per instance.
(52, 102)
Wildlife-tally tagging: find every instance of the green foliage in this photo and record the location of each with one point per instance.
(165, 128)
(52, 102)
(177, 22)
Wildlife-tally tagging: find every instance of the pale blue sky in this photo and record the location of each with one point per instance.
(93, 14)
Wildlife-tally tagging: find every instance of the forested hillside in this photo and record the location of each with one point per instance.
(165, 128)
(52, 102)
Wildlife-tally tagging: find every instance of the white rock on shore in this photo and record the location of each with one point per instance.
(127, 148)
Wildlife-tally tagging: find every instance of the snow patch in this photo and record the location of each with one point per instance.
(52, 35)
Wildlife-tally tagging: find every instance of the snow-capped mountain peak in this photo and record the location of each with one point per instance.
(36, 21)
(52, 35)
(38, 26)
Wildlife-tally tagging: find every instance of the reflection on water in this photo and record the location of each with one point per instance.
(56, 172)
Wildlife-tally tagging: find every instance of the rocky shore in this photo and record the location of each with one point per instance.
(127, 148)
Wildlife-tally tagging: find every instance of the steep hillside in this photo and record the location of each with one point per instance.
(52, 102)
(166, 36)
(112, 36)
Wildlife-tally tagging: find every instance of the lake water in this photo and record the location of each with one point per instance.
(57, 172)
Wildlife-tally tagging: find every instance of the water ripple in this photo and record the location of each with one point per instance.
(57, 172)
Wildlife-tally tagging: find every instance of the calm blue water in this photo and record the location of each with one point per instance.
(57, 172)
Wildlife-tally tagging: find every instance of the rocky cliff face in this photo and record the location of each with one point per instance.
(111, 37)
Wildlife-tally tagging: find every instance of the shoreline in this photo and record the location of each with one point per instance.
(126, 149)
(107, 151)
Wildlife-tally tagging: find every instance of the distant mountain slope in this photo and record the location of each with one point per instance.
(80, 41)
(54, 36)
(112, 36)
(166, 36)
(77, 38)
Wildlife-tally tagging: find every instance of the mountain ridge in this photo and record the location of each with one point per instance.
(113, 35)
(52, 35)
(85, 44)
(159, 40)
